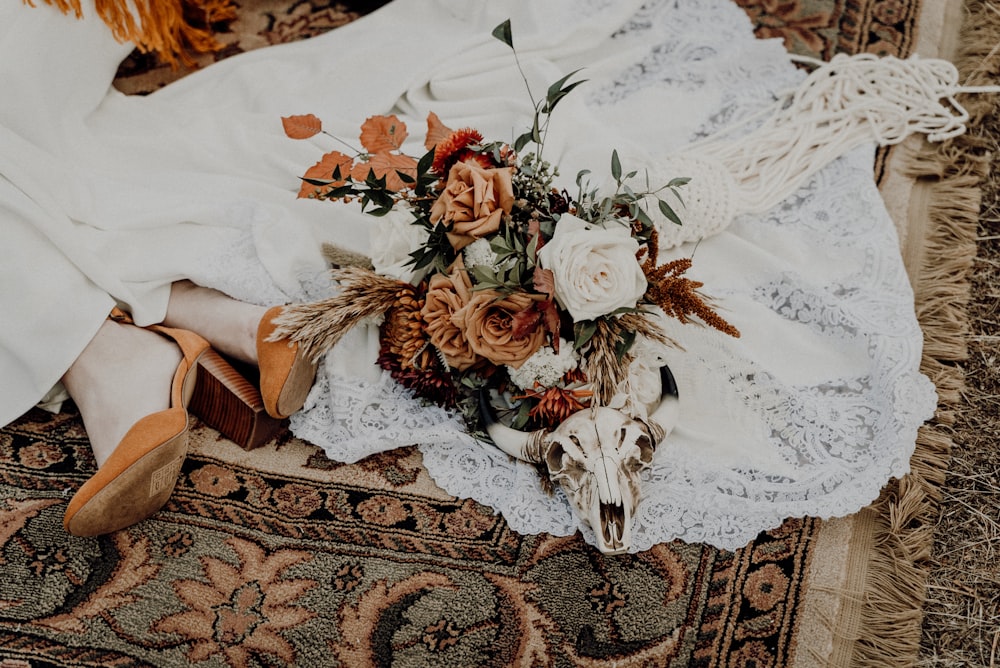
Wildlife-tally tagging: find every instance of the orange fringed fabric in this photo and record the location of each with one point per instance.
(166, 27)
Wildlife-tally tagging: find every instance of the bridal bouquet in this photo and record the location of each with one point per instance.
(491, 276)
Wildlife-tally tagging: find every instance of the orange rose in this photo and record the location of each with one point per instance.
(488, 321)
(474, 201)
(445, 296)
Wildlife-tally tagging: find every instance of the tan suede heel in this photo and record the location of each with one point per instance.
(139, 476)
(286, 375)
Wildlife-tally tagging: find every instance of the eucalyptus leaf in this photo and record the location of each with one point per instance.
(606, 205)
(624, 343)
(532, 250)
(504, 33)
(643, 217)
(425, 162)
(667, 211)
(557, 91)
(521, 418)
(583, 331)
(340, 191)
(616, 166)
(317, 182)
(522, 141)
(536, 132)
(485, 276)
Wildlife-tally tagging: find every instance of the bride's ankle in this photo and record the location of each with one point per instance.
(124, 374)
(228, 324)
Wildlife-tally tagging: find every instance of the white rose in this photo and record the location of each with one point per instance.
(392, 238)
(595, 268)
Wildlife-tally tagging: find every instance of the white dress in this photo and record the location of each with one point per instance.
(110, 198)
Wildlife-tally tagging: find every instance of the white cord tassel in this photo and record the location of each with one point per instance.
(844, 103)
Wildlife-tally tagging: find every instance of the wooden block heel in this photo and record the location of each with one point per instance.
(226, 398)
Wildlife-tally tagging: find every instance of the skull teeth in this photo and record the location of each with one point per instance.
(613, 524)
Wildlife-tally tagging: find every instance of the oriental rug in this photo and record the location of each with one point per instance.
(280, 557)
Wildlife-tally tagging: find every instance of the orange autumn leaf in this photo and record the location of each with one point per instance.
(436, 131)
(539, 314)
(323, 171)
(525, 322)
(381, 134)
(543, 280)
(550, 316)
(387, 165)
(301, 127)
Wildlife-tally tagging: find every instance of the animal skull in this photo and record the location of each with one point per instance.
(596, 455)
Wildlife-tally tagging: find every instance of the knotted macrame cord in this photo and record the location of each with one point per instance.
(843, 103)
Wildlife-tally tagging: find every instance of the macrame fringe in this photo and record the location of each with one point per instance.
(907, 511)
(169, 28)
(844, 103)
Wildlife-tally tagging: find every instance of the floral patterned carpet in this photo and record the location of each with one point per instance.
(279, 557)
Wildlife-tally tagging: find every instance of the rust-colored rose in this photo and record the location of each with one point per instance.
(446, 295)
(474, 201)
(488, 322)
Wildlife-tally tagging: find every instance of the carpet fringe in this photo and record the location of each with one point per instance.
(907, 511)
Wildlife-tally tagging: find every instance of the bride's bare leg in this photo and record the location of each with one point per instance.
(231, 326)
(228, 324)
(123, 375)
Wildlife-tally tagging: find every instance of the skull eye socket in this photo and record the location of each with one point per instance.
(646, 448)
(554, 457)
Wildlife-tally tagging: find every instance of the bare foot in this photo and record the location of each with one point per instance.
(228, 324)
(123, 374)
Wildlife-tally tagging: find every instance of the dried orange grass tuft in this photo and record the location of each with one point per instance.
(677, 295)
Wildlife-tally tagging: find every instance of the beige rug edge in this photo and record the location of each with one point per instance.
(864, 604)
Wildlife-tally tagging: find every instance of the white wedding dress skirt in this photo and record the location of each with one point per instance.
(107, 198)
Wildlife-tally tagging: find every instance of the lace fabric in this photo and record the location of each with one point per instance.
(809, 413)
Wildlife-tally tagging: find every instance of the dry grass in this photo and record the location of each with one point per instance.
(962, 613)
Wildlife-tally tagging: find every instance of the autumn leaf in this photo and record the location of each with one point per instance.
(540, 313)
(552, 321)
(387, 165)
(302, 126)
(525, 322)
(436, 131)
(544, 281)
(323, 171)
(381, 134)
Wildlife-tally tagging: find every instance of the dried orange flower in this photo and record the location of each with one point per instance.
(447, 151)
(403, 331)
(555, 404)
(406, 352)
